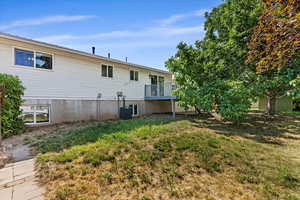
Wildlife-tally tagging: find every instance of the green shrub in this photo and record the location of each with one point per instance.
(14, 90)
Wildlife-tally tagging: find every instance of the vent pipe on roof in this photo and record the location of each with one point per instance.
(93, 50)
(108, 55)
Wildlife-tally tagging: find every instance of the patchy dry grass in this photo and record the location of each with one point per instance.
(147, 159)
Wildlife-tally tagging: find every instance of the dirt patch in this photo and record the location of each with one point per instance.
(17, 147)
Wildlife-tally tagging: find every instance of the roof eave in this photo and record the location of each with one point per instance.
(69, 50)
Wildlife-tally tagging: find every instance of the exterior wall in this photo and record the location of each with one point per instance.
(71, 88)
(284, 104)
(82, 110)
(73, 76)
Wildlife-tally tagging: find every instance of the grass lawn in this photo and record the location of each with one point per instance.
(192, 158)
(296, 113)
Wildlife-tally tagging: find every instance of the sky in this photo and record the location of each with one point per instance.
(145, 31)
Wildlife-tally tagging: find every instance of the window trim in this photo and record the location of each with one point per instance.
(14, 48)
(34, 114)
(134, 73)
(113, 71)
(137, 111)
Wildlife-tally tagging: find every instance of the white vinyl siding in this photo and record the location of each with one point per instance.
(74, 77)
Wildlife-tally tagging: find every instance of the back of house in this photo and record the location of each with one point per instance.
(68, 85)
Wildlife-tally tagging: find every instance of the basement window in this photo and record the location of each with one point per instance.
(107, 71)
(35, 114)
(134, 75)
(33, 59)
(134, 108)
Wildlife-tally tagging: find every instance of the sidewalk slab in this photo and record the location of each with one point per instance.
(18, 182)
(27, 191)
(6, 176)
(6, 193)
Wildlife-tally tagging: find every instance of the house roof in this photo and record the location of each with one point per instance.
(82, 53)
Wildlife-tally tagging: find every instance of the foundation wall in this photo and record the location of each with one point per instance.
(81, 110)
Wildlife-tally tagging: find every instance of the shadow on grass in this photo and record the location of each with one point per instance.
(60, 140)
(258, 127)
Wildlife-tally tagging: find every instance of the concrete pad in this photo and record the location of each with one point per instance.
(26, 176)
(18, 182)
(6, 194)
(6, 175)
(25, 163)
(27, 191)
(41, 197)
(24, 169)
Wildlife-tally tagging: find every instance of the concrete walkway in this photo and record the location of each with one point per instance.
(18, 182)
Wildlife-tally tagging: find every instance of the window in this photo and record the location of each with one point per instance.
(110, 71)
(134, 75)
(33, 59)
(28, 114)
(35, 114)
(134, 108)
(43, 61)
(24, 58)
(131, 75)
(107, 71)
(104, 70)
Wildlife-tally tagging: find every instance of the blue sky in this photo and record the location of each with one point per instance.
(145, 31)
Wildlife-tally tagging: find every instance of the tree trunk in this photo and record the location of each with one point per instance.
(271, 105)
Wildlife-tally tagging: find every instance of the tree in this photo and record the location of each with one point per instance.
(275, 48)
(275, 42)
(212, 73)
(10, 115)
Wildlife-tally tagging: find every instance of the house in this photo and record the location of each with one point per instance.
(283, 104)
(64, 85)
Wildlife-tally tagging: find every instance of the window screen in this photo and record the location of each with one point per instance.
(43, 61)
(24, 58)
(110, 71)
(131, 75)
(104, 70)
(136, 75)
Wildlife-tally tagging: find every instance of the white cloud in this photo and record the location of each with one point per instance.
(45, 20)
(172, 19)
(154, 32)
(201, 12)
(150, 32)
(56, 38)
(175, 18)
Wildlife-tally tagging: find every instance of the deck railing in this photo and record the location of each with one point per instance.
(160, 90)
